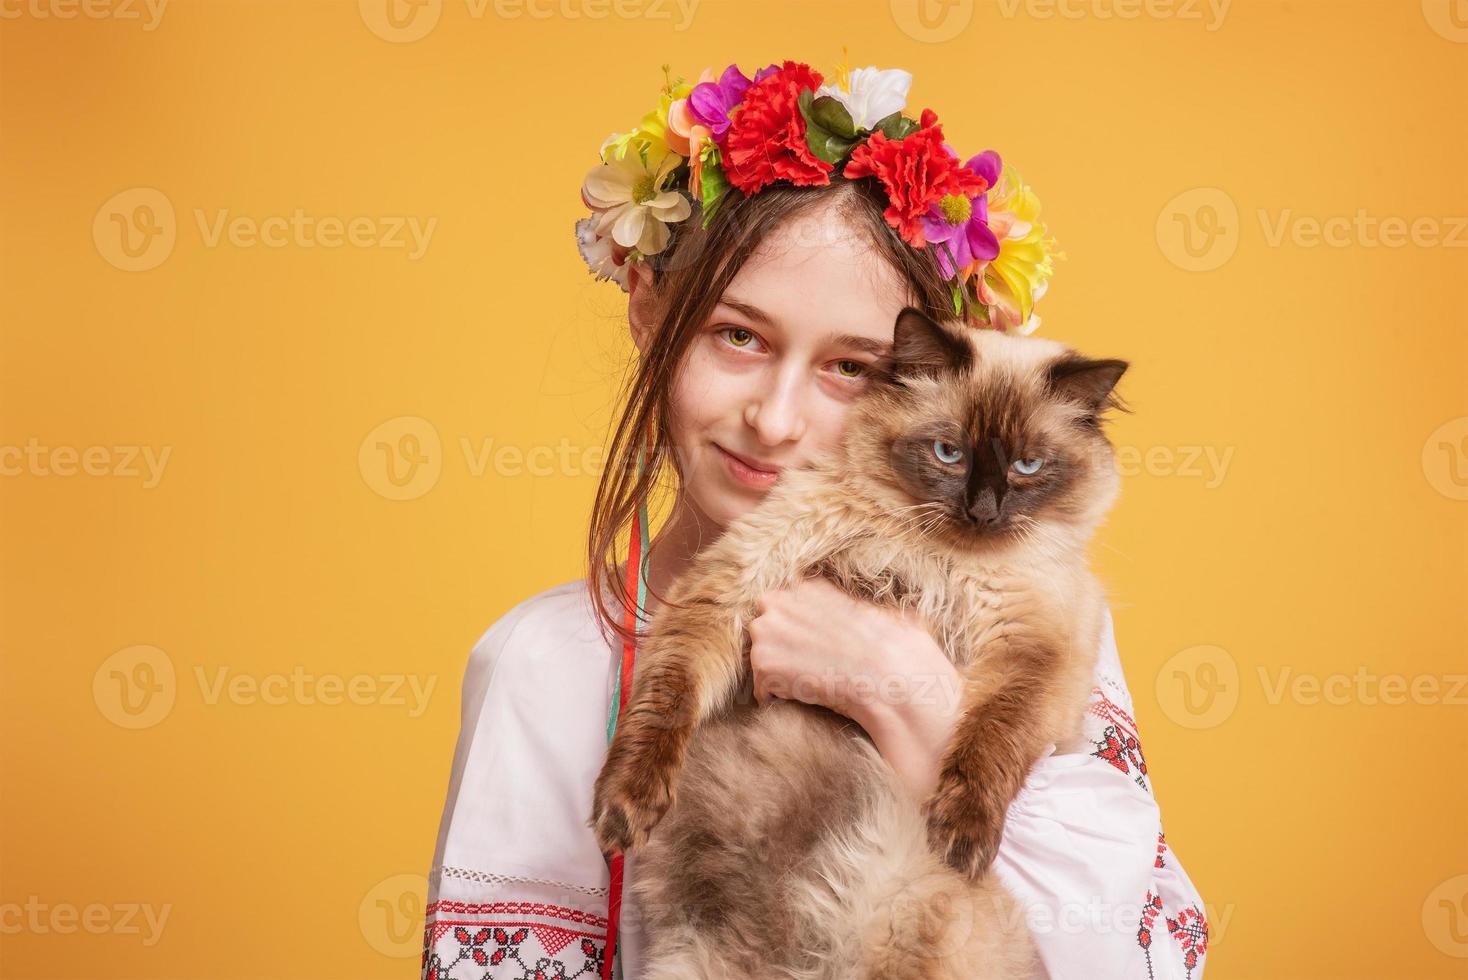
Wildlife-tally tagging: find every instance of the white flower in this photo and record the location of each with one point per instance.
(872, 94)
(634, 207)
(598, 254)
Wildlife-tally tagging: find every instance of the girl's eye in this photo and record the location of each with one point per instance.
(739, 336)
(946, 452)
(1028, 467)
(850, 369)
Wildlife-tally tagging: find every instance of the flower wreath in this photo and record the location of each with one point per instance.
(715, 137)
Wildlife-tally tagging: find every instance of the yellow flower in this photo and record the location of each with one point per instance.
(665, 129)
(1012, 282)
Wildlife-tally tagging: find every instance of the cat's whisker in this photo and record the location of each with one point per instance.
(920, 518)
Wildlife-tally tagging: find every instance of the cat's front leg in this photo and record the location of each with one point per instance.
(691, 663)
(997, 740)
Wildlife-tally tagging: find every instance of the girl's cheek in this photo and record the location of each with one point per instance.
(706, 391)
(830, 428)
(730, 371)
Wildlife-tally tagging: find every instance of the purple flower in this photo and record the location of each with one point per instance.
(960, 225)
(711, 102)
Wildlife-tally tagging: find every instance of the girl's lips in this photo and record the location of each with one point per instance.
(743, 473)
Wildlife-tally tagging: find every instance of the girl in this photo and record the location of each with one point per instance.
(758, 317)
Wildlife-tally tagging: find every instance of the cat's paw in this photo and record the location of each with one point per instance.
(628, 802)
(962, 829)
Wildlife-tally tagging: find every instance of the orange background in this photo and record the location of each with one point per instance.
(289, 839)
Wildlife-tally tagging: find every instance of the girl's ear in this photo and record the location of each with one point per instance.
(641, 303)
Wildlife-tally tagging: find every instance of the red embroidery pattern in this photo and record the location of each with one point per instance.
(511, 941)
(1161, 849)
(1151, 908)
(1189, 927)
(1114, 734)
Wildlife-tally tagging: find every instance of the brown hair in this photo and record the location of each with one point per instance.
(690, 276)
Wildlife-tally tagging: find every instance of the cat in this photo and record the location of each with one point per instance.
(972, 475)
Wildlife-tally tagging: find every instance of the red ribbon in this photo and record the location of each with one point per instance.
(629, 654)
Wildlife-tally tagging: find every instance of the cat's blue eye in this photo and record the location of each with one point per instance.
(1028, 467)
(946, 452)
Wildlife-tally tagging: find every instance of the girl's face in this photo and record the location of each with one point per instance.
(770, 377)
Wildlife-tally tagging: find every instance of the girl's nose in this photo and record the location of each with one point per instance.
(775, 415)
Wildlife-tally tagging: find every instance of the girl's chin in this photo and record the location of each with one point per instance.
(724, 504)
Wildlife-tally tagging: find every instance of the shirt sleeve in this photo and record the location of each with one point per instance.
(517, 887)
(1084, 851)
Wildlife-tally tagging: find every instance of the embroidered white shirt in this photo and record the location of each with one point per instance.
(518, 884)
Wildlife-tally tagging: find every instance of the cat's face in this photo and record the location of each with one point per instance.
(988, 436)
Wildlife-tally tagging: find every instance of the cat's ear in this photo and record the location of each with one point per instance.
(921, 346)
(1092, 383)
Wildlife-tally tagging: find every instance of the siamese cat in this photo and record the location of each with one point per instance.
(774, 841)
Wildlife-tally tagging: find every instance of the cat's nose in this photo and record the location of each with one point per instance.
(985, 511)
(988, 520)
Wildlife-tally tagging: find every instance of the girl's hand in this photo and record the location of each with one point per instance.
(879, 667)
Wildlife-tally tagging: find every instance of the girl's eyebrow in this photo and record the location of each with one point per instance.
(876, 348)
(748, 309)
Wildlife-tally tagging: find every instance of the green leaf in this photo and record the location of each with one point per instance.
(897, 126)
(832, 116)
(957, 300)
(715, 183)
(828, 145)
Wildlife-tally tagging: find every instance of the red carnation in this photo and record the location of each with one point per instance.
(917, 172)
(766, 139)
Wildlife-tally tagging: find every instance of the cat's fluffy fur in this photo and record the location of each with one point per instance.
(792, 850)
